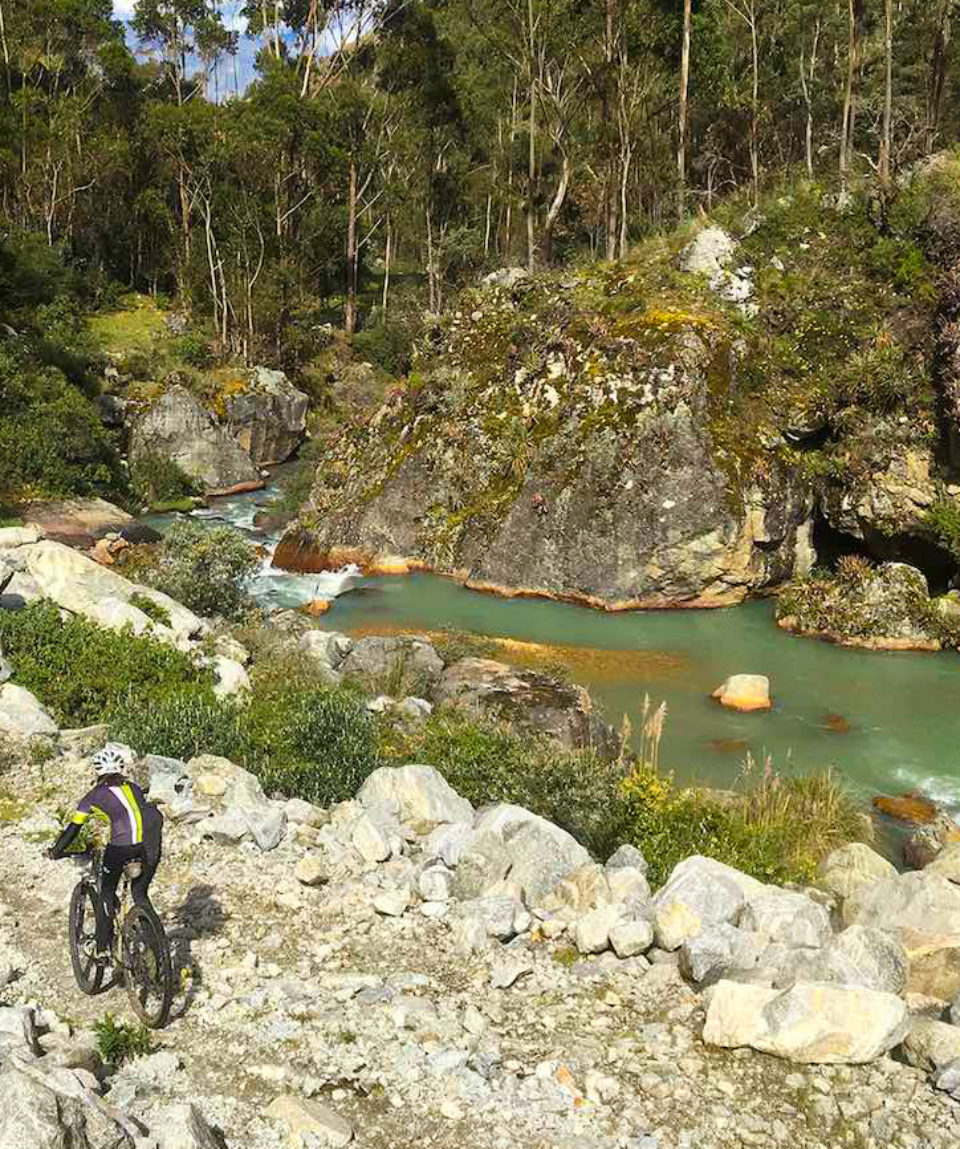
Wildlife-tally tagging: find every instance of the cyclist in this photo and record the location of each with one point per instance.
(136, 834)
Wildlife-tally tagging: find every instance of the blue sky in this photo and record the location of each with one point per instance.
(231, 73)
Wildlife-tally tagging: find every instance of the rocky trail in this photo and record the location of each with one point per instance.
(363, 981)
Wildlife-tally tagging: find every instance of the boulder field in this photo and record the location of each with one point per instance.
(402, 962)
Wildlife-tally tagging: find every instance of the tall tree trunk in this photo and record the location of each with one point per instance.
(937, 74)
(886, 141)
(807, 73)
(350, 303)
(682, 111)
(431, 282)
(555, 208)
(755, 104)
(387, 254)
(849, 97)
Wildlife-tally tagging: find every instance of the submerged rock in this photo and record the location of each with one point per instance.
(745, 692)
(530, 702)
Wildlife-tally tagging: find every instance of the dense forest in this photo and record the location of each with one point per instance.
(382, 156)
(433, 137)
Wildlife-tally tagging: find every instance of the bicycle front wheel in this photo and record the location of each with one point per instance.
(147, 968)
(83, 939)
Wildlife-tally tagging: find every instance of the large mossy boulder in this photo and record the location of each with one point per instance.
(562, 447)
(877, 608)
(178, 428)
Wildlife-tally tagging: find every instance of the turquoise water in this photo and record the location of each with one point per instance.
(888, 722)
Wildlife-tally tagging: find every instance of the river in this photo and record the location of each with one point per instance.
(888, 722)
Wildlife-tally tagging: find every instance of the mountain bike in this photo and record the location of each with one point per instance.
(140, 951)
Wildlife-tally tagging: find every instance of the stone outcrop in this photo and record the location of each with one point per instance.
(530, 702)
(922, 910)
(598, 481)
(267, 417)
(81, 586)
(21, 714)
(80, 522)
(177, 427)
(882, 608)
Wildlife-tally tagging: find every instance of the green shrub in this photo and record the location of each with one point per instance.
(80, 671)
(312, 743)
(156, 478)
(208, 571)
(118, 1041)
(777, 830)
(942, 520)
(180, 724)
(153, 610)
(193, 349)
(389, 346)
(326, 741)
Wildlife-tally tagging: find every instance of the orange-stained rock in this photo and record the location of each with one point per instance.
(387, 565)
(912, 808)
(318, 606)
(745, 692)
(101, 552)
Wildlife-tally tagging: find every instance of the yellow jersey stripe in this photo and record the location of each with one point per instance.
(135, 807)
(79, 819)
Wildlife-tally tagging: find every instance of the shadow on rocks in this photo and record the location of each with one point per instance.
(199, 915)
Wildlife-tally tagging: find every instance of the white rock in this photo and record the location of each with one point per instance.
(82, 586)
(327, 646)
(19, 536)
(370, 842)
(182, 1127)
(310, 871)
(787, 917)
(421, 793)
(710, 252)
(811, 1023)
(392, 903)
(591, 934)
(21, 713)
(434, 884)
(305, 1117)
(932, 1045)
(232, 679)
(300, 813)
(699, 892)
(630, 936)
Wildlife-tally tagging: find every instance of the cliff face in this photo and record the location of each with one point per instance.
(662, 434)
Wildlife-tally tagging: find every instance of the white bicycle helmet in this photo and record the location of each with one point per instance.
(112, 759)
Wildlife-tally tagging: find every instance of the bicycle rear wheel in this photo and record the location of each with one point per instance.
(147, 968)
(84, 907)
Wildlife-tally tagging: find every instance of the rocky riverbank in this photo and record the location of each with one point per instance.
(401, 960)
